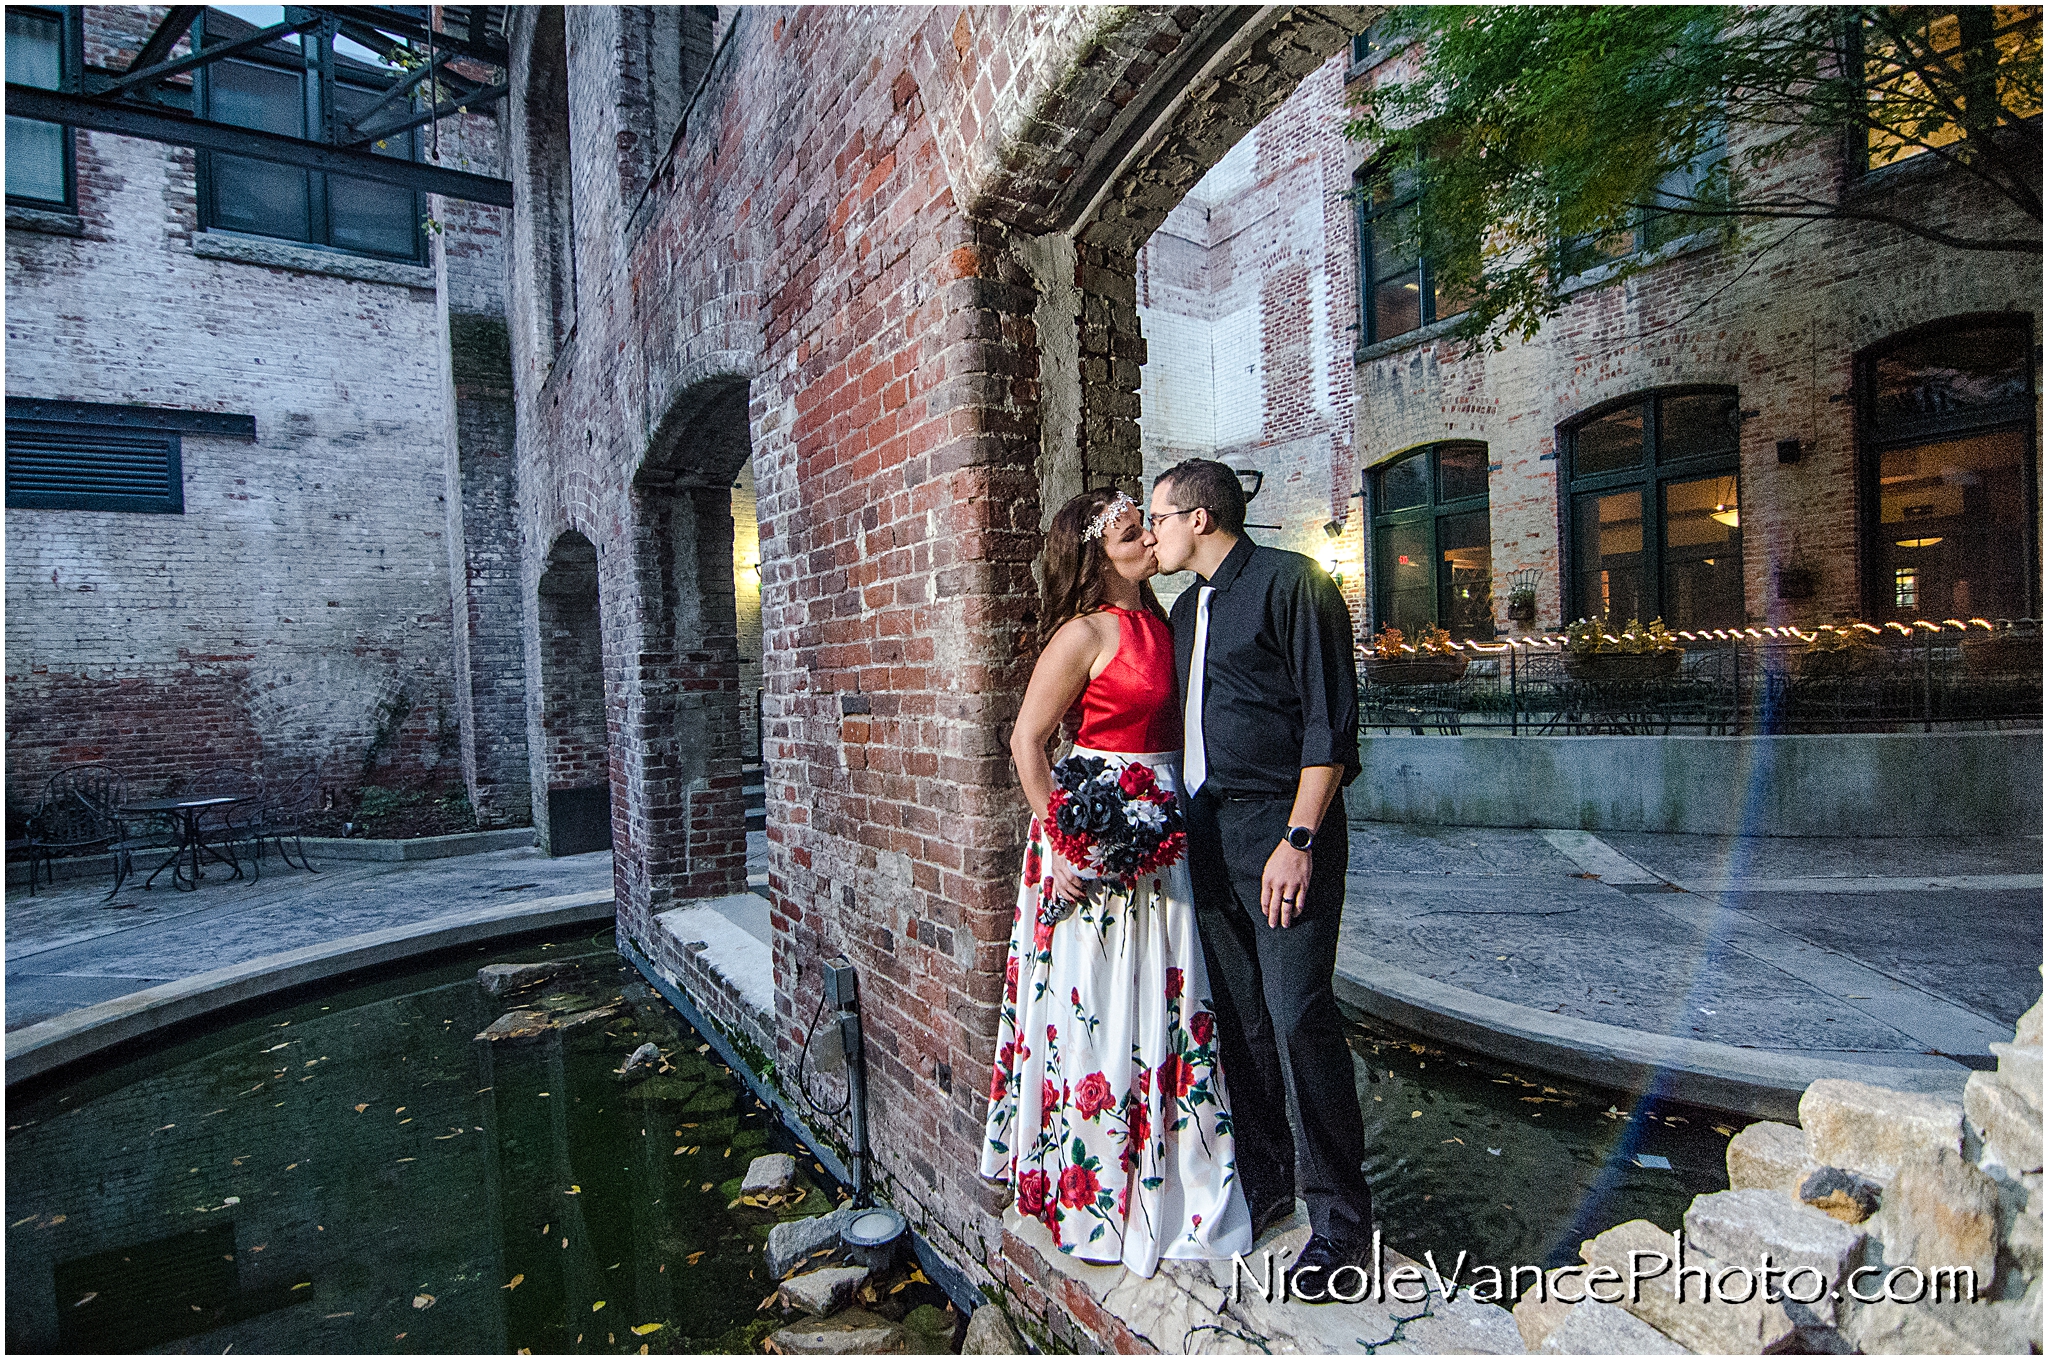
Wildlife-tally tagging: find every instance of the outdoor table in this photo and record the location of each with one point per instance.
(187, 811)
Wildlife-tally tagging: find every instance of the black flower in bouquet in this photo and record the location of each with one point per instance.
(1114, 823)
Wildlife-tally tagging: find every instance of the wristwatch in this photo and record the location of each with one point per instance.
(1301, 837)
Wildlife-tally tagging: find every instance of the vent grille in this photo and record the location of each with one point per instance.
(92, 467)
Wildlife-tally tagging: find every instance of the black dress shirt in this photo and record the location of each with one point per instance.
(1281, 688)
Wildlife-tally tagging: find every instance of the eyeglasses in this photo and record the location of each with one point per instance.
(1152, 521)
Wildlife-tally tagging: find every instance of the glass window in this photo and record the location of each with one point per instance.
(1979, 55)
(1658, 222)
(1400, 287)
(38, 154)
(1685, 566)
(1432, 542)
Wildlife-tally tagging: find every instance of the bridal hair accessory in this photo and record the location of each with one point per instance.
(1099, 526)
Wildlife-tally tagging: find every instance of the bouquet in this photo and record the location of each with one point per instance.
(1112, 824)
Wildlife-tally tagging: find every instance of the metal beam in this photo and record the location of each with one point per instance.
(381, 17)
(204, 57)
(136, 120)
(452, 106)
(175, 25)
(395, 94)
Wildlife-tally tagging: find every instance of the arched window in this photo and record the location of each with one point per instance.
(1432, 546)
(549, 195)
(1950, 523)
(1652, 528)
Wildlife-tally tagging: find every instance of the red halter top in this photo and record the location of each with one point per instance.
(1133, 706)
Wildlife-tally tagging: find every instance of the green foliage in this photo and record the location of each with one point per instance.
(382, 802)
(1590, 637)
(1534, 127)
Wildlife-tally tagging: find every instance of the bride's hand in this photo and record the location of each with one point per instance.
(1065, 882)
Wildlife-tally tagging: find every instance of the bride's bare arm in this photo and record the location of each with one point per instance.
(1077, 652)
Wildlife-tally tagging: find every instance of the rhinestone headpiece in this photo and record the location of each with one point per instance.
(1099, 526)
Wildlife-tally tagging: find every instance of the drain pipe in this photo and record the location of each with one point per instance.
(842, 994)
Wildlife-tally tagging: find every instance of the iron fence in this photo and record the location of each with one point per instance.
(1750, 682)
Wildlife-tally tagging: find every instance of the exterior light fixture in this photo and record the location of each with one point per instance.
(1251, 479)
(1918, 542)
(1332, 529)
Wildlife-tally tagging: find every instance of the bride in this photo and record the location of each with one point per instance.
(1108, 1111)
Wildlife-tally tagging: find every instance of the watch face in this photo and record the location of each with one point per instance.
(1300, 837)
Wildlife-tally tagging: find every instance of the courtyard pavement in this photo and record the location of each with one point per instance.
(1893, 953)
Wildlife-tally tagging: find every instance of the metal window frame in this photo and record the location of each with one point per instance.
(1856, 138)
(1425, 269)
(1648, 477)
(70, 62)
(1430, 511)
(1874, 440)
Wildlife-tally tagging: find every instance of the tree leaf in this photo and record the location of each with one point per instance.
(423, 1300)
(514, 1283)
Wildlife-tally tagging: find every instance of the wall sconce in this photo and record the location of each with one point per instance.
(1251, 479)
(1332, 529)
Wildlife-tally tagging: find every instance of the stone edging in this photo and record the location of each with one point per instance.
(1746, 1081)
(36, 1049)
(322, 847)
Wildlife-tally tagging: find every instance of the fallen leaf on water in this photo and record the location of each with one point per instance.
(293, 1167)
(237, 1199)
(696, 1148)
(1724, 1130)
(274, 1047)
(899, 1286)
(706, 1187)
(680, 1151)
(643, 1349)
(764, 1303)
(58, 1219)
(917, 1277)
(573, 1190)
(350, 1313)
(868, 1295)
(565, 1244)
(1416, 1115)
(514, 1282)
(408, 1159)
(1459, 1141)
(728, 1152)
(399, 1110)
(705, 1048)
(647, 1329)
(87, 1299)
(423, 1300)
(679, 1132)
(595, 1306)
(303, 1284)
(30, 1219)
(694, 1257)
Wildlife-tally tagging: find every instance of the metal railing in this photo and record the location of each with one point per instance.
(1730, 682)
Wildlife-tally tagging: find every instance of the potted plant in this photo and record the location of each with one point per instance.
(1640, 651)
(2009, 648)
(1839, 652)
(1522, 602)
(1431, 659)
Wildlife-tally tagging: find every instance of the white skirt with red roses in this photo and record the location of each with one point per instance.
(1108, 1111)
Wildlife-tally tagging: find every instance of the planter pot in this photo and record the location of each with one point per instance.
(1522, 611)
(1624, 665)
(2005, 654)
(1841, 665)
(1430, 670)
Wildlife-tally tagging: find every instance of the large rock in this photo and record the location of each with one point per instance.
(1941, 1212)
(1740, 1226)
(853, 1332)
(990, 1333)
(1754, 1327)
(1767, 1156)
(520, 1026)
(500, 978)
(2028, 1030)
(791, 1244)
(1593, 1328)
(1539, 1312)
(2023, 1235)
(1873, 1131)
(2019, 1069)
(823, 1292)
(769, 1174)
(1840, 1194)
(2010, 1128)
(2009, 1328)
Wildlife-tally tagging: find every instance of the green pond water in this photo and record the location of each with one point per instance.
(352, 1171)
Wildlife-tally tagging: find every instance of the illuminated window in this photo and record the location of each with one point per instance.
(1654, 524)
(1905, 588)
(1432, 545)
(1664, 220)
(1399, 285)
(1985, 67)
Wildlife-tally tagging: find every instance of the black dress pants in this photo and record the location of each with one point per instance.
(1277, 1020)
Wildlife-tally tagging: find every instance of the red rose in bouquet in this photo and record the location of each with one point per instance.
(1114, 823)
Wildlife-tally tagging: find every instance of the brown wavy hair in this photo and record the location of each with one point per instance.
(1073, 566)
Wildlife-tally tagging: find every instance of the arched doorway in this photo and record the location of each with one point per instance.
(572, 798)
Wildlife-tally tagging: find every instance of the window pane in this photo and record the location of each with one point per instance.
(1702, 554)
(1393, 244)
(35, 151)
(1698, 426)
(1407, 576)
(1953, 517)
(1597, 248)
(1403, 483)
(1465, 582)
(1609, 443)
(1397, 305)
(375, 218)
(1607, 548)
(1461, 471)
(257, 196)
(1950, 375)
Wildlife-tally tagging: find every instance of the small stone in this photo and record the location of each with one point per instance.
(1873, 1131)
(853, 1332)
(1739, 1226)
(1841, 1194)
(1766, 1156)
(770, 1174)
(1594, 1328)
(791, 1243)
(499, 978)
(1539, 1312)
(2019, 1069)
(1941, 1213)
(823, 1292)
(1928, 1328)
(515, 1027)
(2010, 1128)
(990, 1333)
(1754, 1327)
(647, 1055)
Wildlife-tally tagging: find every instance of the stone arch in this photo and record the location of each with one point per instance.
(572, 806)
(543, 214)
(683, 746)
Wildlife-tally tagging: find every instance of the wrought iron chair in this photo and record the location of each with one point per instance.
(81, 812)
(236, 823)
(283, 808)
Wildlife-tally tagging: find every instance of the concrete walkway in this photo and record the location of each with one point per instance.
(1711, 964)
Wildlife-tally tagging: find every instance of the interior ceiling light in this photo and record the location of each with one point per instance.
(1728, 515)
(1917, 542)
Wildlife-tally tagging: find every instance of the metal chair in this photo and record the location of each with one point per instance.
(80, 812)
(235, 823)
(283, 809)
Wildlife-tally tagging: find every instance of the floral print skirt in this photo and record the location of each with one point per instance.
(1108, 1111)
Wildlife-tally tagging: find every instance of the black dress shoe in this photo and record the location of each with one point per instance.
(1322, 1257)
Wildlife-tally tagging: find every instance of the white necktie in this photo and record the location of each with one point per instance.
(1196, 757)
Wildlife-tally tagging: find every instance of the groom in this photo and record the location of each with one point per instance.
(1262, 645)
